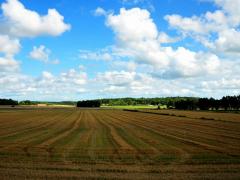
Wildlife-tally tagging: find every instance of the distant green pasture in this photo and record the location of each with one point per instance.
(131, 107)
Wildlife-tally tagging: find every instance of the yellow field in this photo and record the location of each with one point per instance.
(116, 144)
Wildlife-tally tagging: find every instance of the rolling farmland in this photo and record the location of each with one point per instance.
(116, 144)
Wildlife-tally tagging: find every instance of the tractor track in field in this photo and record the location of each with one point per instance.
(202, 116)
(184, 140)
(34, 127)
(25, 140)
(121, 143)
(94, 127)
(184, 154)
(180, 127)
(116, 144)
(27, 123)
(197, 134)
(196, 123)
(69, 146)
(84, 138)
(64, 133)
(116, 124)
(226, 125)
(26, 144)
(207, 136)
(149, 151)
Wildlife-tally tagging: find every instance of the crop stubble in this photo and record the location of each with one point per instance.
(116, 144)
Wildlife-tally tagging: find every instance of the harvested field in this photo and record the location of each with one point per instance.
(116, 144)
(205, 115)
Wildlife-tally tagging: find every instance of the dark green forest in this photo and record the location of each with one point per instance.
(8, 102)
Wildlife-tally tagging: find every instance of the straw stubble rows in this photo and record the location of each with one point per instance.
(116, 144)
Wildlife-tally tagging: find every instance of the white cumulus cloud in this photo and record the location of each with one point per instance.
(23, 22)
(8, 65)
(100, 12)
(42, 53)
(9, 46)
(217, 30)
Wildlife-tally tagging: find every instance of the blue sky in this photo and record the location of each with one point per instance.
(70, 50)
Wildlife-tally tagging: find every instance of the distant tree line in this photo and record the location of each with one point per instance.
(225, 103)
(168, 101)
(89, 103)
(8, 102)
(184, 103)
(66, 103)
(27, 102)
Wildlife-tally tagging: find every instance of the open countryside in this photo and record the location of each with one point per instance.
(118, 144)
(120, 90)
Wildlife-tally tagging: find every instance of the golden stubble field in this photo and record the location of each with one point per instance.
(115, 144)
